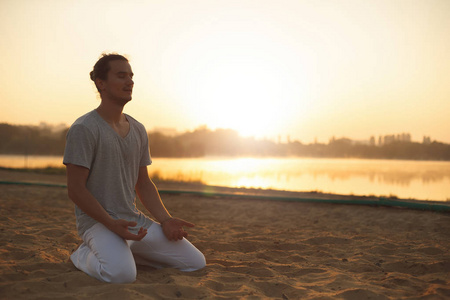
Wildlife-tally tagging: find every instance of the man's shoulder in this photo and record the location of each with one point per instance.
(135, 122)
(86, 123)
(86, 119)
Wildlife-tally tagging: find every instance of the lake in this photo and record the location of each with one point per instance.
(423, 180)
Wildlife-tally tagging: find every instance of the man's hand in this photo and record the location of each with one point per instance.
(173, 228)
(120, 227)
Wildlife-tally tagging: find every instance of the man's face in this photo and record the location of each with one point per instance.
(118, 87)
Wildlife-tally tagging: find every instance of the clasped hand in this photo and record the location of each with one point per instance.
(120, 227)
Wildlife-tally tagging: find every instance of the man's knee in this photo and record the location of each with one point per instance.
(197, 262)
(200, 262)
(120, 274)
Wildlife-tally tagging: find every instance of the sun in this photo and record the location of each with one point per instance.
(242, 95)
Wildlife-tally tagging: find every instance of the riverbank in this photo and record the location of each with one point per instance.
(254, 248)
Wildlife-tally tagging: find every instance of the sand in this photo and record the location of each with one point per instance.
(255, 249)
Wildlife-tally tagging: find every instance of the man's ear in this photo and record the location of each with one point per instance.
(100, 84)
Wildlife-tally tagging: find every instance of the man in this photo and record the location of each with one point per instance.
(106, 157)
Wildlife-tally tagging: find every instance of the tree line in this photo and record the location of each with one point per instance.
(45, 140)
(31, 140)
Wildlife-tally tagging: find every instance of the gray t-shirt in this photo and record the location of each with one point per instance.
(113, 163)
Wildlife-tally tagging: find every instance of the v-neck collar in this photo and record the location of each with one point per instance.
(112, 129)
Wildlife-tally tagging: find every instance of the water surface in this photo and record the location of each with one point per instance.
(423, 180)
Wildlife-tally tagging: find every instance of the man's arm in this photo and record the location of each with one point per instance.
(79, 194)
(149, 196)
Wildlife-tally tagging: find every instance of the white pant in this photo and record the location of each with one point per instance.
(109, 258)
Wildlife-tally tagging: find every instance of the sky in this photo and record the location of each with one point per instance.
(307, 70)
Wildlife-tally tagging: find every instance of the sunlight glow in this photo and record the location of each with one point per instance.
(248, 82)
(309, 70)
(244, 97)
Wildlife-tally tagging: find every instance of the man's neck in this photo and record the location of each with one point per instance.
(110, 113)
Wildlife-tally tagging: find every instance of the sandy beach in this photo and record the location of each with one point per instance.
(255, 249)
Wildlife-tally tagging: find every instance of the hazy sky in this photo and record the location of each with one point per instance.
(308, 69)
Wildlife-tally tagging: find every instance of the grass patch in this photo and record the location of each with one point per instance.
(179, 177)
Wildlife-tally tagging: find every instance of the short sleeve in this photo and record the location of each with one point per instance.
(80, 146)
